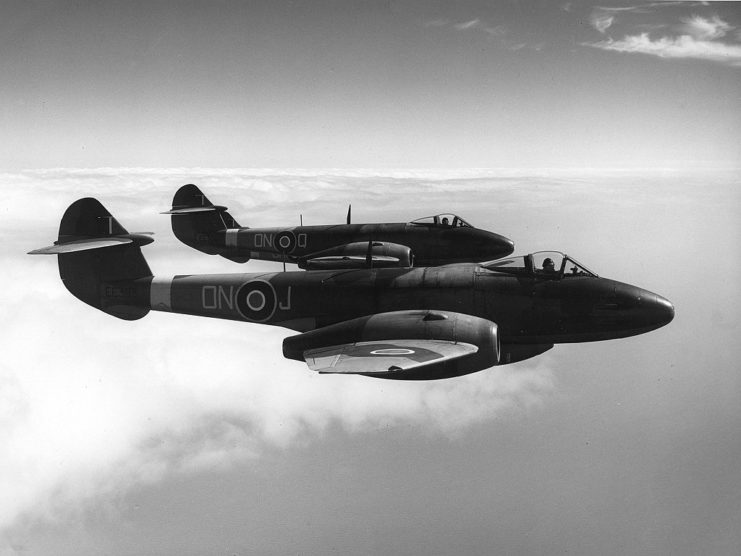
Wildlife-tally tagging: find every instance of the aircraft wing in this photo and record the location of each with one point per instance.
(87, 244)
(341, 262)
(413, 344)
(359, 254)
(384, 357)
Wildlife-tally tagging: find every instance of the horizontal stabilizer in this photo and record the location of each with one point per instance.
(193, 210)
(82, 245)
(384, 357)
(141, 238)
(101, 263)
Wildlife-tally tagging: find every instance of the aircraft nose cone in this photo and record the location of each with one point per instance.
(510, 245)
(503, 246)
(641, 309)
(660, 310)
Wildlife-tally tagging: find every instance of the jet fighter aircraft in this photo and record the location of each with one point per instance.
(431, 241)
(396, 323)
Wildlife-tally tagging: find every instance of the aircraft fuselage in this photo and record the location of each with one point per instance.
(431, 245)
(401, 323)
(526, 309)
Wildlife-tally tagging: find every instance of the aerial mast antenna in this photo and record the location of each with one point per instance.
(349, 213)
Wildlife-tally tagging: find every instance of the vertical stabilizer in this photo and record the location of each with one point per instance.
(101, 263)
(200, 224)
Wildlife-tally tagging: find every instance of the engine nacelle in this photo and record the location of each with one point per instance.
(380, 254)
(410, 325)
(512, 353)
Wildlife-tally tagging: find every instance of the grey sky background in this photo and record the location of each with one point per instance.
(611, 134)
(369, 84)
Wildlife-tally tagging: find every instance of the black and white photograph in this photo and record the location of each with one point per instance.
(370, 277)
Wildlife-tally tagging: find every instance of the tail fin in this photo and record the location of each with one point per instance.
(199, 223)
(101, 263)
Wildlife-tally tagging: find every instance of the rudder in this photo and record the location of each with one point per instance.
(199, 223)
(100, 263)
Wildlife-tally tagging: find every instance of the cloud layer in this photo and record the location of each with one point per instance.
(684, 46)
(92, 406)
(697, 36)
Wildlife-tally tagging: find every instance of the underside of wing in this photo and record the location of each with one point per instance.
(82, 245)
(193, 210)
(384, 357)
(419, 344)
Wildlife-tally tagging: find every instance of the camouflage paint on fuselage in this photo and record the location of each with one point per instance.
(526, 309)
(431, 245)
(435, 240)
(469, 316)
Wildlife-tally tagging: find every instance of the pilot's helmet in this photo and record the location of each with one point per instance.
(547, 262)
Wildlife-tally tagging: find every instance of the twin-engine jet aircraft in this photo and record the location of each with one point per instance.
(395, 323)
(436, 240)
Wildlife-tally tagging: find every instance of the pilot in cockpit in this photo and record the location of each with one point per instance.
(548, 265)
(446, 223)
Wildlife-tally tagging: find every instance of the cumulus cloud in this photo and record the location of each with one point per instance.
(704, 29)
(468, 24)
(601, 21)
(102, 406)
(684, 46)
(91, 406)
(695, 37)
(471, 24)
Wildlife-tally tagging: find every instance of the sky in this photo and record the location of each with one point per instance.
(369, 84)
(610, 132)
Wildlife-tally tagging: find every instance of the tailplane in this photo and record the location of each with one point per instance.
(200, 224)
(100, 262)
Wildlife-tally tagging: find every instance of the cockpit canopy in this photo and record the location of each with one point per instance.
(551, 265)
(442, 221)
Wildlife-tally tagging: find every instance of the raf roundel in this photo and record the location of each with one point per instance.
(392, 351)
(285, 242)
(256, 300)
